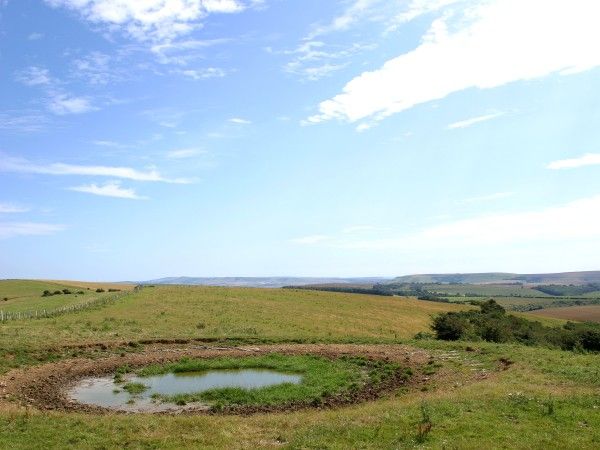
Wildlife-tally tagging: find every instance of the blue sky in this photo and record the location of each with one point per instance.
(141, 139)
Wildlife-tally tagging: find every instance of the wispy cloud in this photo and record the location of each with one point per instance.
(470, 49)
(10, 208)
(473, 120)
(63, 104)
(24, 166)
(183, 153)
(183, 52)
(108, 189)
(14, 229)
(202, 74)
(95, 68)
(589, 159)
(23, 121)
(488, 198)
(34, 76)
(574, 221)
(240, 121)
(309, 240)
(35, 36)
(314, 59)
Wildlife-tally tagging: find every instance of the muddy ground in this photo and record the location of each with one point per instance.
(44, 387)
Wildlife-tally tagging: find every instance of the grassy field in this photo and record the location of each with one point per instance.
(586, 313)
(537, 398)
(26, 295)
(244, 313)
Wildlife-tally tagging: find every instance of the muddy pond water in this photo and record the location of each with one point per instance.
(104, 392)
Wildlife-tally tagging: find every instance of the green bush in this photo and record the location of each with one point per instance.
(491, 323)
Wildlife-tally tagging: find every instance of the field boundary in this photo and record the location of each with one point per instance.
(6, 316)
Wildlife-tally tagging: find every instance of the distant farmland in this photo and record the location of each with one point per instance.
(590, 313)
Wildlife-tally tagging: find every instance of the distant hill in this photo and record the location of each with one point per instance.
(269, 282)
(501, 277)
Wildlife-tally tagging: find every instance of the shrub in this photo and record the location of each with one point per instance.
(66, 291)
(47, 293)
(99, 290)
(492, 324)
(57, 293)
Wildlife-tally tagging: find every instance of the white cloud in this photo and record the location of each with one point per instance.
(9, 208)
(24, 122)
(95, 69)
(359, 229)
(309, 240)
(203, 74)
(490, 44)
(314, 59)
(473, 120)
(23, 166)
(355, 12)
(108, 189)
(184, 153)
(574, 221)
(240, 121)
(488, 198)
(35, 36)
(589, 159)
(150, 20)
(63, 104)
(34, 76)
(184, 51)
(14, 229)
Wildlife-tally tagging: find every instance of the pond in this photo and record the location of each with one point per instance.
(104, 392)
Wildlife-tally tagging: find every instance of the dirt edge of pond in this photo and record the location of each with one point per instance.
(44, 387)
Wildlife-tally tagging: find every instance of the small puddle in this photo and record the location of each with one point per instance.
(104, 392)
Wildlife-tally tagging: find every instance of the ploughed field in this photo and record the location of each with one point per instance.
(586, 313)
(366, 382)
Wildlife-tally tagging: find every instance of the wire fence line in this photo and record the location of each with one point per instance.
(5, 316)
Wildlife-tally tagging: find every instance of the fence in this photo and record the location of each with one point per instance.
(45, 313)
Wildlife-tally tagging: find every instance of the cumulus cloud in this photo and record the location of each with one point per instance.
(24, 166)
(589, 159)
(108, 189)
(150, 20)
(473, 120)
(14, 229)
(473, 49)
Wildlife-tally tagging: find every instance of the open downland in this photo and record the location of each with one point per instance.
(177, 312)
(590, 313)
(473, 395)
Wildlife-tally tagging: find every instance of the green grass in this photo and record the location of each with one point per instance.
(546, 399)
(321, 378)
(26, 295)
(228, 313)
(135, 388)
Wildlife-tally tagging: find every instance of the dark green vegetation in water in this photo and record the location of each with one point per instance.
(321, 378)
(491, 323)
